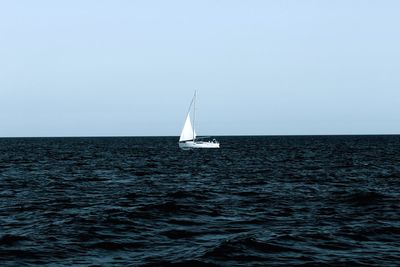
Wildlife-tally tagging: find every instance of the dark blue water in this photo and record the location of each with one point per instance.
(257, 201)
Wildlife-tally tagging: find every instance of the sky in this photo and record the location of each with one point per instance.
(130, 68)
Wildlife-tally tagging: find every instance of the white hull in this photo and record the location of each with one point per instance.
(198, 144)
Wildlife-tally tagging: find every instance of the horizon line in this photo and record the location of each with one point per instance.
(177, 136)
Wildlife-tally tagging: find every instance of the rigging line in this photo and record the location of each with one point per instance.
(194, 114)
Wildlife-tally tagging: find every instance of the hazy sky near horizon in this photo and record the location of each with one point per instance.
(104, 68)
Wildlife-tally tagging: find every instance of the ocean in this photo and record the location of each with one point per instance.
(257, 201)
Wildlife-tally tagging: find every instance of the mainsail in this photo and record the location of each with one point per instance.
(188, 132)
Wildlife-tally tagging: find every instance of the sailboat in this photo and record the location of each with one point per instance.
(189, 139)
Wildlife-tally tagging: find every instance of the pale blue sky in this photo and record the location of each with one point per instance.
(104, 68)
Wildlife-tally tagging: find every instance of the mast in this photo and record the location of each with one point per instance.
(194, 114)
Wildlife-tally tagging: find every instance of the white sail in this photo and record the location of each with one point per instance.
(188, 132)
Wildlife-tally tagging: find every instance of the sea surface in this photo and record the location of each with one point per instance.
(257, 201)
